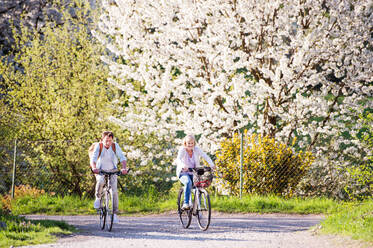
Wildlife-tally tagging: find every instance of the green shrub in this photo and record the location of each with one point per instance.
(268, 166)
(360, 186)
(343, 168)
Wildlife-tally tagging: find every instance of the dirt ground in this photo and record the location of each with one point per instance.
(226, 230)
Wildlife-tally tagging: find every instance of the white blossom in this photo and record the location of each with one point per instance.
(211, 67)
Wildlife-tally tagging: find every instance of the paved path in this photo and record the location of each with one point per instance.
(165, 231)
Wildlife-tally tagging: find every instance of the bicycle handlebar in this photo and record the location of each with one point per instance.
(109, 173)
(200, 171)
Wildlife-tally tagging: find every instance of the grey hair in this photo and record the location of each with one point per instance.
(189, 136)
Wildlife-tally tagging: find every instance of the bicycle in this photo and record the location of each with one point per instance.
(200, 198)
(106, 206)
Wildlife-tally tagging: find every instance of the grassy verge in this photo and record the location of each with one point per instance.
(74, 205)
(17, 231)
(149, 203)
(52, 205)
(273, 204)
(351, 219)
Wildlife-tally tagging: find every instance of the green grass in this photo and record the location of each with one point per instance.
(18, 231)
(74, 205)
(273, 204)
(154, 203)
(146, 204)
(351, 219)
(53, 205)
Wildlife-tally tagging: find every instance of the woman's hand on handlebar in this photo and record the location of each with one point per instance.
(124, 171)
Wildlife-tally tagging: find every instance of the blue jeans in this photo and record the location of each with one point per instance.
(187, 181)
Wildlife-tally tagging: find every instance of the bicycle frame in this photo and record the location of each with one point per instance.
(196, 203)
(198, 193)
(107, 209)
(107, 185)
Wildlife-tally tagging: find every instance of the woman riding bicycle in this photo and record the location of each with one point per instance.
(188, 157)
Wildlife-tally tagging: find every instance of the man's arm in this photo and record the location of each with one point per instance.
(94, 158)
(122, 159)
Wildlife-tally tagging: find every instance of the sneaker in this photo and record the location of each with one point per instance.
(185, 206)
(97, 203)
(115, 219)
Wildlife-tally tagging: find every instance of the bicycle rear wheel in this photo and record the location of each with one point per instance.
(109, 210)
(204, 210)
(184, 215)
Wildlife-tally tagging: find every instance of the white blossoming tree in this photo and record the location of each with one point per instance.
(212, 67)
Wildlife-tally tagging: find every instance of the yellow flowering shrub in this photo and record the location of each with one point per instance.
(269, 167)
(20, 192)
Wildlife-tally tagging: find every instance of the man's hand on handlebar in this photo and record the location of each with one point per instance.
(95, 171)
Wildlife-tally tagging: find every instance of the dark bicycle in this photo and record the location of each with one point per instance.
(201, 208)
(106, 211)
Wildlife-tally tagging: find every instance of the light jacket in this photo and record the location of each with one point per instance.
(118, 154)
(181, 156)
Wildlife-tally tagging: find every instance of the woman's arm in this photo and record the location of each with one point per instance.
(206, 157)
(180, 161)
(181, 157)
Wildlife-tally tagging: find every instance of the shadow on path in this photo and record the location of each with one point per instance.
(169, 228)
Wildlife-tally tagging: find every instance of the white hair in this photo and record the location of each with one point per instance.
(189, 137)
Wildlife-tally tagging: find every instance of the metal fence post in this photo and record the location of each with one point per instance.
(241, 163)
(14, 168)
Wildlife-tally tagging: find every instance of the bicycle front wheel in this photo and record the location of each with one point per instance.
(109, 210)
(203, 210)
(184, 215)
(102, 214)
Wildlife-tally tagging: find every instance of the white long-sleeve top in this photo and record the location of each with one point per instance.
(108, 159)
(182, 158)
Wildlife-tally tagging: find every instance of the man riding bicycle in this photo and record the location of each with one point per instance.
(104, 157)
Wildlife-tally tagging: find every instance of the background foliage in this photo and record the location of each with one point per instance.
(55, 88)
(288, 79)
(211, 67)
(360, 185)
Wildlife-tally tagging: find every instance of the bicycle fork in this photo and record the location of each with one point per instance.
(196, 202)
(106, 192)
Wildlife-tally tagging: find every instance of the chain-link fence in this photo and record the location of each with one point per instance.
(45, 165)
(265, 166)
(62, 167)
(6, 165)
